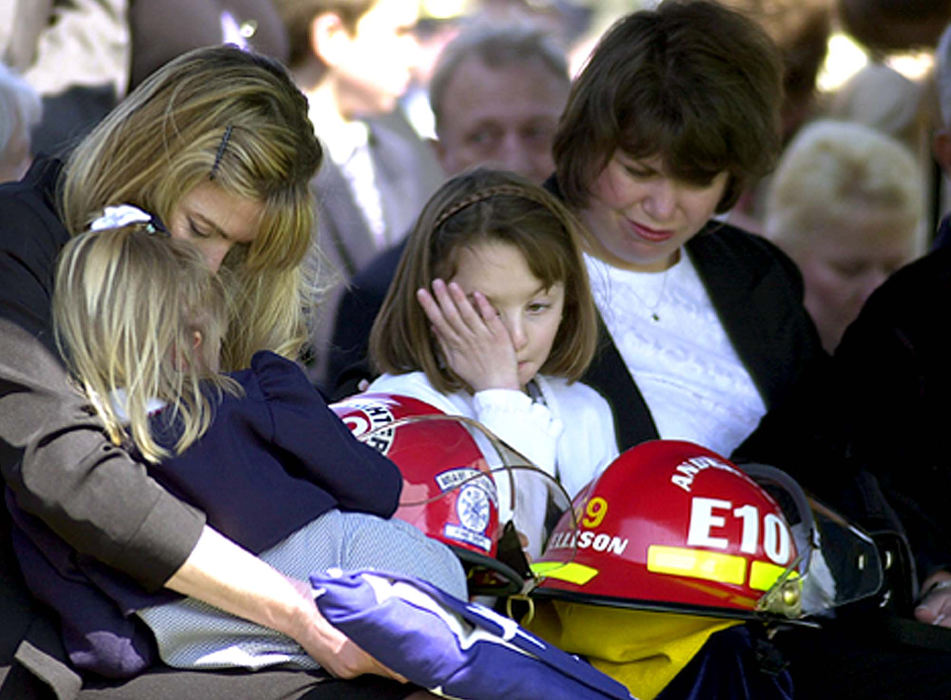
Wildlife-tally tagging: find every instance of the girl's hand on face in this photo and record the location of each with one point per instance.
(475, 343)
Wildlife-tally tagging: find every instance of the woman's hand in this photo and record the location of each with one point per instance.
(336, 653)
(935, 606)
(475, 343)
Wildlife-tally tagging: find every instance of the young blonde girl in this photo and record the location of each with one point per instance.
(489, 316)
(139, 317)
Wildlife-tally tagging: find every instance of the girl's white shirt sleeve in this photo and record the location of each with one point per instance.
(417, 386)
(588, 443)
(527, 426)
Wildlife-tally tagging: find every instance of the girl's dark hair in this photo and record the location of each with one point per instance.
(479, 206)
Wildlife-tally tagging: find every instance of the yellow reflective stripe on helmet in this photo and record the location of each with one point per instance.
(572, 572)
(763, 575)
(696, 563)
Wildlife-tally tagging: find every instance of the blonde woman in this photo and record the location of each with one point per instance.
(845, 204)
(225, 168)
(217, 145)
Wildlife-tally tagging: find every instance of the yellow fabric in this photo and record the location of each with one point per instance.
(642, 650)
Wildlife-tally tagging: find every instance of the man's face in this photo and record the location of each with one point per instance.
(503, 117)
(374, 63)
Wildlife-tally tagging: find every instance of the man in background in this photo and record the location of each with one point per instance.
(353, 60)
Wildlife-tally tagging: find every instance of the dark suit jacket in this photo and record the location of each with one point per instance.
(359, 306)
(942, 238)
(888, 397)
(407, 173)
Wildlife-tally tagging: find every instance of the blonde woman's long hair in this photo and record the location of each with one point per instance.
(126, 310)
(235, 118)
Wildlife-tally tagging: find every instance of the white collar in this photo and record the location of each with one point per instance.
(119, 399)
(341, 137)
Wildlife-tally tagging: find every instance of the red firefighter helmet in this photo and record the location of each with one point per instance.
(672, 526)
(448, 490)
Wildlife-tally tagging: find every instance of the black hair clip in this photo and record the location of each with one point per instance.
(221, 151)
(157, 227)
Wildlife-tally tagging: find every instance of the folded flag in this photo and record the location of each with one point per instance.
(454, 648)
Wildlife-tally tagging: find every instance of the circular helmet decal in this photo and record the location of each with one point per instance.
(448, 492)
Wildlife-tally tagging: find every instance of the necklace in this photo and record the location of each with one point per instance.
(652, 308)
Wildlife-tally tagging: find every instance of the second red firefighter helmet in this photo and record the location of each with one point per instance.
(673, 526)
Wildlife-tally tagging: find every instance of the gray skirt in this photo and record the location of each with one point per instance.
(192, 634)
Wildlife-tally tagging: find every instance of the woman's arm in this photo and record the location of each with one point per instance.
(231, 578)
(69, 475)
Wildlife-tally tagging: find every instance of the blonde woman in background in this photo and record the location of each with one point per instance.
(845, 204)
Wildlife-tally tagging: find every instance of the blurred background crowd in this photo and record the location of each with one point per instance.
(870, 61)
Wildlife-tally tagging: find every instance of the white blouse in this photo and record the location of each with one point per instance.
(671, 339)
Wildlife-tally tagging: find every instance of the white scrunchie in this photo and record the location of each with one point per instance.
(118, 216)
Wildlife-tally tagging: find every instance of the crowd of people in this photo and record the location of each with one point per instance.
(253, 229)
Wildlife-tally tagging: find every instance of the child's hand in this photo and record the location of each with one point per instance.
(475, 343)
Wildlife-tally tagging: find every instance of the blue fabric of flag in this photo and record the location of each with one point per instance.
(455, 648)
